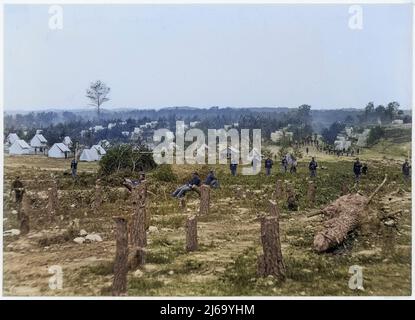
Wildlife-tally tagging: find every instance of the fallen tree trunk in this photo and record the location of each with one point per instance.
(344, 215)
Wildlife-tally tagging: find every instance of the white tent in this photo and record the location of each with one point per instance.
(100, 151)
(89, 155)
(228, 152)
(67, 141)
(38, 142)
(12, 137)
(58, 150)
(19, 147)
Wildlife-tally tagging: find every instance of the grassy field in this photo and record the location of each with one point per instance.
(229, 237)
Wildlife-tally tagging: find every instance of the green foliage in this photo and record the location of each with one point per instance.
(165, 173)
(375, 135)
(126, 158)
(330, 134)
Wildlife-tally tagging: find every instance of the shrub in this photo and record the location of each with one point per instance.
(126, 158)
(165, 173)
(375, 135)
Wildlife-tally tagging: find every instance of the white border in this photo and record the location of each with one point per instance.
(121, 2)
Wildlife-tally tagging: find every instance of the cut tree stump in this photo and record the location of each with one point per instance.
(273, 208)
(138, 235)
(191, 234)
(279, 192)
(52, 201)
(182, 203)
(119, 286)
(271, 262)
(24, 214)
(98, 196)
(345, 189)
(311, 193)
(204, 199)
(137, 258)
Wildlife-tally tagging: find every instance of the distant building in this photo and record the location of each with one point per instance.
(58, 150)
(397, 121)
(104, 143)
(100, 151)
(125, 133)
(89, 155)
(12, 137)
(19, 147)
(98, 128)
(111, 125)
(349, 131)
(228, 152)
(193, 124)
(279, 134)
(67, 141)
(362, 138)
(38, 142)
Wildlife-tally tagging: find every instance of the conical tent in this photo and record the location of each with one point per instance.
(89, 155)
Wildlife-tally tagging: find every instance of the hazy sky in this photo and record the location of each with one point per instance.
(208, 55)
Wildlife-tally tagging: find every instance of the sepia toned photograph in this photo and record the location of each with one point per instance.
(207, 150)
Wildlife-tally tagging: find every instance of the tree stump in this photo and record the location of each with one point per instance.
(273, 209)
(138, 235)
(311, 193)
(98, 196)
(24, 214)
(52, 201)
(191, 234)
(292, 200)
(204, 199)
(183, 203)
(278, 190)
(119, 286)
(271, 262)
(345, 189)
(137, 258)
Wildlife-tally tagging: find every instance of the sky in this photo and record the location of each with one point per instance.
(154, 56)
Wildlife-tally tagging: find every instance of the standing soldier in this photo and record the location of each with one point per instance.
(284, 163)
(18, 189)
(74, 167)
(313, 167)
(306, 150)
(233, 166)
(406, 169)
(357, 169)
(293, 168)
(268, 166)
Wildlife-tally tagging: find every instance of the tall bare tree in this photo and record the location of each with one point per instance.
(97, 93)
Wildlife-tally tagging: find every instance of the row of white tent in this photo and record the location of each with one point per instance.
(58, 150)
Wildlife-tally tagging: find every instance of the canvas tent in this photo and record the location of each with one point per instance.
(67, 141)
(100, 151)
(12, 137)
(89, 155)
(228, 152)
(38, 142)
(19, 147)
(58, 150)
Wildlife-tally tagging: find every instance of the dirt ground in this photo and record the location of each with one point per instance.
(229, 237)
